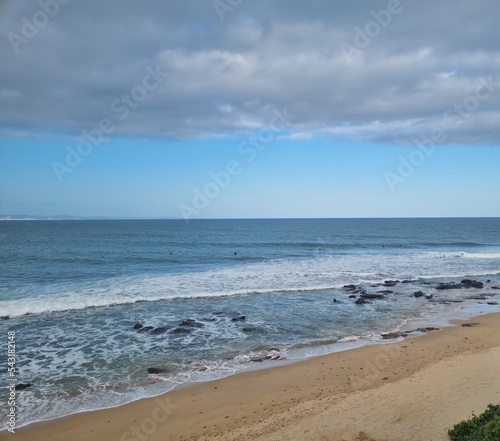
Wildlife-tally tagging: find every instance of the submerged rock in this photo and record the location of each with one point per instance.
(352, 296)
(153, 370)
(138, 326)
(391, 282)
(392, 335)
(182, 330)
(361, 301)
(191, 323)
(159, 330)
(145, 329)
(240, 318)
(250, 329)
(22, 386)
(418, 294)
(385, 291)
(350, 287)
(450, 285)
(372, 296)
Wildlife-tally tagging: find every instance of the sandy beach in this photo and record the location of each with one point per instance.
(415, 390)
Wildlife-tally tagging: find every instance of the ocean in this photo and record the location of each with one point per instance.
(95, 303)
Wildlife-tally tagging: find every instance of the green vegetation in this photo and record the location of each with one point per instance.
(485, 427)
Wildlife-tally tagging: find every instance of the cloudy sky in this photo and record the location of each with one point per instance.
(261, 108)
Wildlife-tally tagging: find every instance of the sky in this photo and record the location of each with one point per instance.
(238, 108)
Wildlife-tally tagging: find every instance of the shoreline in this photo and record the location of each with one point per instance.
(468, 310)
(243, 402)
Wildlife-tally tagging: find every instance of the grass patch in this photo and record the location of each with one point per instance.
(485, 427)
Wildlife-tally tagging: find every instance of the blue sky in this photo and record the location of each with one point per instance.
(127, 177)
(310, 110)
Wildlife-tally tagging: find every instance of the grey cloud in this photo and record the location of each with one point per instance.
(226, 76)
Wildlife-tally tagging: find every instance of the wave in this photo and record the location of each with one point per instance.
(246, 278)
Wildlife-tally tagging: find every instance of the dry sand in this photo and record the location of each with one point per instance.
(414, 390)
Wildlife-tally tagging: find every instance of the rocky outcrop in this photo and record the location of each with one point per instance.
(465, 283)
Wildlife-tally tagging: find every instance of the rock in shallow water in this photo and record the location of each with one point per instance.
(22, 386)
(372, 296)
(240, 318)
(153, 370)
(392, 335)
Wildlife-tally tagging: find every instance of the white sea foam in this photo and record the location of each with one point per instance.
(312, 274)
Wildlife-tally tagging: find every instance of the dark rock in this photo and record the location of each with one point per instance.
(358, 291)
(22, 386)
(385, 291)
(488, 281)
(352, 296)
(451, 285)
(191, 323)
(5, 317)
(495, 287)
(392, 335)
(159, 330)
(180, 330)
(467, 283)
(336, 301)
(492, 303)
(350, 287)
(145, 329)
(218, 313)
(428, 329)
(478, 297)
(409, 281)
(469, 325)
(418, 294)
(391, 282)
(153, 370)
(249, 329)
(429, 296)
(240, 318)
(138, 326)
(361, 301)
(373, 296)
